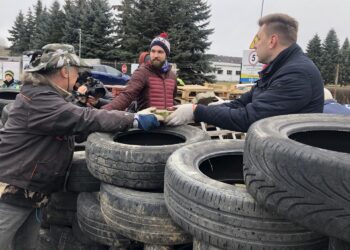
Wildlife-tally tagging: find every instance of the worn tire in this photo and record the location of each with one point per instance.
(201, 245)
(299, 167)
(80, 179)
(141, 216)
(137, 166)
(336, 244)
(93, 224)
(205, 195)
(5, 112)
(7, 96)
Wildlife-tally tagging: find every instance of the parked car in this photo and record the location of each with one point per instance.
(109, 75)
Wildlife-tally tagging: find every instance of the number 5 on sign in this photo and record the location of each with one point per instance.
(253, 58)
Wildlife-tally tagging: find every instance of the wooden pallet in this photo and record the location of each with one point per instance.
(221, 134)
(188, 92)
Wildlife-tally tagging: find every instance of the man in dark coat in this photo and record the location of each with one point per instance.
(36, 143)
(290, 84)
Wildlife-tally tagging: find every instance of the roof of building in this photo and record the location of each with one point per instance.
(226, 59)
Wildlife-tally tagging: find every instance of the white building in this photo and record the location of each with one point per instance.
(227, 68)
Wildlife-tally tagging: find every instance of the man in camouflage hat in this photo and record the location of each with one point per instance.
(36, 143)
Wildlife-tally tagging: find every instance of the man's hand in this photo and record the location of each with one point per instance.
(149, 111)
(182, 115)
(146, 122)
(82, 89)
(90, 101)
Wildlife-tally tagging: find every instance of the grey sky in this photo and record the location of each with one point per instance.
(235, 21)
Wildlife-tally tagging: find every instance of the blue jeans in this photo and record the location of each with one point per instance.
(19, 228)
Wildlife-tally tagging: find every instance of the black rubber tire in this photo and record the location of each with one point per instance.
(137, 166)
(7, 96)
(79, 234)
(64, 201)
(298, 166)
(53, 216)
(336, 244)
(141, 216)
(62, 238)
(201, 245)
(1, 125)
(60, 210)
(93, 224)
(5, 112)
(80, 179)
(201, 198)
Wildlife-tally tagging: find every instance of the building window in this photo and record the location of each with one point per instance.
(229, 72)
(238, 72)
(220, 71)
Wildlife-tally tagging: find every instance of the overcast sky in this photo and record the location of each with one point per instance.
(235, 21)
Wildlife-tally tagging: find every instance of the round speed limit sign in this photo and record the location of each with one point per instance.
(253, 58)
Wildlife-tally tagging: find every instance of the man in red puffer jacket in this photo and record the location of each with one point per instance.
(152, 84)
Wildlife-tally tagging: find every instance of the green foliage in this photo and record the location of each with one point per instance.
(18, 32)
(314, 51)
(330, 56)
(97, 39)
(55, 23)
(41, 34)
(186, 22)
(344, 63)
(124, 36)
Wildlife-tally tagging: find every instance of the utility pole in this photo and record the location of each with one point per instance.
(262, 8)
(79, 31)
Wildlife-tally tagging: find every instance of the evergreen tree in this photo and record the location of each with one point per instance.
(55, 23)
(186, 22)
(30, 27)
(38, 9)
(344, 63)
(330, 56)
(42, 34)
(17, 33)
(314, 51)
(70, 24)
(97, 30)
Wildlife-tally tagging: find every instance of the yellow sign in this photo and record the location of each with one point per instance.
(255, 40)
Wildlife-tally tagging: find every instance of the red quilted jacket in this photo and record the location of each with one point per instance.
(149, 88)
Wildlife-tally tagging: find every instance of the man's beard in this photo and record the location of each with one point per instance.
(157, 64)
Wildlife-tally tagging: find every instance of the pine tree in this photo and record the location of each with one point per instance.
(344, 62)
(55, 23)
(314, 51)
(41, 36)
(330, 56)
(72, 23)
(30, 27)
(186, 22)
(38, 9)
(97, 30)
(17, 33)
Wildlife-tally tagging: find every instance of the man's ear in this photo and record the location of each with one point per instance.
(64, 72)
(274, 41)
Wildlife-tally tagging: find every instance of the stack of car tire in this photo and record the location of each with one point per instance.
(130, 206)
(285, 187)
(59, 224)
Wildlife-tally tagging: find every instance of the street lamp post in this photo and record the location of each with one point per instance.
(79, 31)
(262, 8)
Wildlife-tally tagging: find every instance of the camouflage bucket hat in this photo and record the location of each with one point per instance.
(55, 56)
